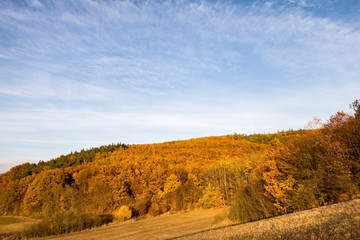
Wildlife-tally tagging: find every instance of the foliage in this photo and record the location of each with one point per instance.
(318, 168)
(251, 205)
(72, 159)
(65, 222)
(161, 177)
(212, 197)
(282, 136)
(124, 213)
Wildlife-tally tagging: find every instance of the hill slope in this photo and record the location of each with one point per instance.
(337, 221)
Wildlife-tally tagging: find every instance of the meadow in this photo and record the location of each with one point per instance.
(337, 221)
(11, 225)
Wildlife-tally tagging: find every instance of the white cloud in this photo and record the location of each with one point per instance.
(4, 56)
(41, 84)
(35, 3)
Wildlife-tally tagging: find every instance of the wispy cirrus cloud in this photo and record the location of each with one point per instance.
(40, 85)
(162, 70)
(183, 33)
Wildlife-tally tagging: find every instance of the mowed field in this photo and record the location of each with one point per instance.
(338, 221)
(162, 227)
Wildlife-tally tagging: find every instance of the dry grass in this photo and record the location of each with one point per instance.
(10, 225)
(338, 221)
(162, 227)
(10, 220)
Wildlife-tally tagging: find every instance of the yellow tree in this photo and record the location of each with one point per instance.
(277, 184)
(43, 194)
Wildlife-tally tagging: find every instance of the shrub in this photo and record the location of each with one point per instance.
(250, 205)
(212, 197)
(154, 209)
(65, 222)
(124, 213)
(141, 206)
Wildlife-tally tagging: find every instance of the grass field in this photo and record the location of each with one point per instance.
(10, 220)
(163, 227)
(338, 221)
(9, 225)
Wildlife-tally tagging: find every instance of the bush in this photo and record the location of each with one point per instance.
(141, 206)
(212, 197)
(65, 222)
(124, 213)
(154, 209)
(251, 205)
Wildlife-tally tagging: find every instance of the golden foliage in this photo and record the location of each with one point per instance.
(124, 213)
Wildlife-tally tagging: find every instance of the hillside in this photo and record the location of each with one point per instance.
(258, 176)
(149, 177)
(136, 172)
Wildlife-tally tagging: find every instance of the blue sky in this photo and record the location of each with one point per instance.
(82, 73)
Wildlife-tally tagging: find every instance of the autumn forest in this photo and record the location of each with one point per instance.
(258, 175)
